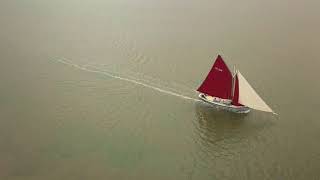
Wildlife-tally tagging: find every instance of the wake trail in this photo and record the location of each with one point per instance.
(126, 79)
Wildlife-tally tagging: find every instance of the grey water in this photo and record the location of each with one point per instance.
(106, 89)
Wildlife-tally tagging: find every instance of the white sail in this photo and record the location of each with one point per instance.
(249, 97)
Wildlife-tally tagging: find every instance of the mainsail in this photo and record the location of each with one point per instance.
(218, 82)
(248, 96)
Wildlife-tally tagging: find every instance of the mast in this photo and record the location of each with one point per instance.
(233, 80)
(235, 98)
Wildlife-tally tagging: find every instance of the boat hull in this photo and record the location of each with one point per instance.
(225, 106)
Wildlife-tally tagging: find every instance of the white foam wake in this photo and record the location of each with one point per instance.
(84, 68)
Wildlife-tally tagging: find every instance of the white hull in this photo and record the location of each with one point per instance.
(225, 106)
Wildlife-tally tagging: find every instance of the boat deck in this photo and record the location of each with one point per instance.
(224, 104)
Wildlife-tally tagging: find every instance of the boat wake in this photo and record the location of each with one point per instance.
(109, 74)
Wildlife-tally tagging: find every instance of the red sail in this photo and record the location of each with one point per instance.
(235, 99)
(218, 82)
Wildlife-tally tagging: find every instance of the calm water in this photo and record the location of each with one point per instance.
(74, 121)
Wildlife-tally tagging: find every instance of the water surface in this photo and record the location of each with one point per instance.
(62, 122)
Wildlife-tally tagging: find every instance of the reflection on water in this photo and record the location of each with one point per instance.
(220, 130)
(223, 140)
(58, 122)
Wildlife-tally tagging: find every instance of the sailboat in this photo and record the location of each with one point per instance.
(230, 91)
